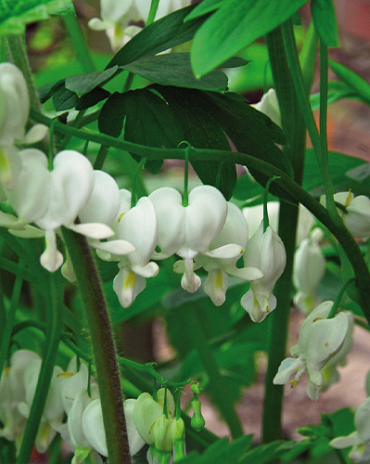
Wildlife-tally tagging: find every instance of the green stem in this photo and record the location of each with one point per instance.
(7, 334)
(304, 104)
(102, 154)
(17, 48)
(54, 327)
(152, 12)
(293, 126)
(217, 387)
(339, 297)
(79, 43)
(103, 347)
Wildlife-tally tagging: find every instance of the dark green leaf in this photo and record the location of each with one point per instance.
(202, 130)
(148, 121)
(14, 15)
(324, 18)
(234, 62)
(46, 91)
(175, 69)
(92, 98)
(63, 98)
(82, 84)
(236, 24)
(265, 453)
(353, 80)
(165, 33)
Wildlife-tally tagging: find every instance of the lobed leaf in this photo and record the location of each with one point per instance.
(324, 18)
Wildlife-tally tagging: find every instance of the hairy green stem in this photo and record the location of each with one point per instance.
(103, 347)
(54, 327)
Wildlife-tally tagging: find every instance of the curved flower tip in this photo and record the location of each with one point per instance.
(51, 259)
(127, 286)
(258, 306)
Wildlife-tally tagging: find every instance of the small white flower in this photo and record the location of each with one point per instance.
(357, 216)
(319, 339)
(234, 232)
(359, 440)
(189, 230)
(265, 251)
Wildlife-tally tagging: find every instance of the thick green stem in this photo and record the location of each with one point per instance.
(294, 127)
(54, 327)
(217, 388)
(103, 347)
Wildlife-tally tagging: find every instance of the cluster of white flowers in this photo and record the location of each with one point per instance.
(73, 409)
(207, 232)
(118, 16)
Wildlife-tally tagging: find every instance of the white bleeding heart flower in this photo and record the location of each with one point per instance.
(234, 232)
(357, 215)
(55, 198)
(14, 110)
(319, 340)
(134, 243)
(52, 417)
(360, 439)
(12, 392)
(265, 251)
(189, 230)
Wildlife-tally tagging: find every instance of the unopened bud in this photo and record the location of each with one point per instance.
(197, 421)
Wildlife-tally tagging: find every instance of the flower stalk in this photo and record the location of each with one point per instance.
(103, 347)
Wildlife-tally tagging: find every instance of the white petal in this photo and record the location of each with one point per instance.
(51, 259)
(190, 281)
(139, 227)
(37, 133)
(215, 286)
(104, 201)
(171, 220)
(288, 367)
(115, 247)
(231, 250)
(134, 439)
(344, 442)
(72, 180)
(96, 231)
(127, 286)
(93, 427)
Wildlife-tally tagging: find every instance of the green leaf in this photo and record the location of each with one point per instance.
(205, 7)
(202, 130)
(175, 69)
(148, 121)
(353, 80)
(63, 98)
(339, 165)
(165, 33)
(14, 15)
(324, 18)
(82, 84)
(236, 24)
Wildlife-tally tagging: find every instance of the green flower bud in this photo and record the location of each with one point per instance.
(197, 421)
